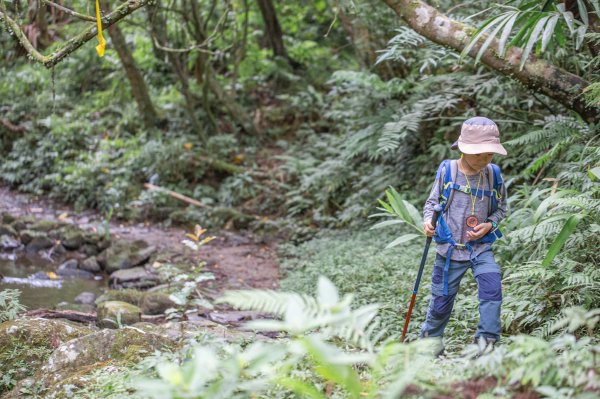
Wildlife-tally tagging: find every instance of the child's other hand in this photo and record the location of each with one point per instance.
(479, 231)
(428, 229)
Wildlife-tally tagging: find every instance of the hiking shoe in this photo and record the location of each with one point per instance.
(484, 344)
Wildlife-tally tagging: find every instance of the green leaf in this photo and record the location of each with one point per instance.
(326, 292)
(403, 239)
(487, 25)
(594, 173)
(565, 232)
(506, 33)
(502, 19)
(386, 223)
(549, 31)
(417, 219)
(533, 37)
(583, 13)
(299, 387)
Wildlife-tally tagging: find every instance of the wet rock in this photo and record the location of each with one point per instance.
(36, 241)
(27, 236)
(59, 250)
(111, 313)
(91, 265)
(92, 238)
(5, 229)
(72, 239)
(90, 249)
(8, 242)
(124, 255)
(70, 264)
(86, 298)
(23, 223)
(103, 244)
(40, 276)
(75, 273)
(136, 277)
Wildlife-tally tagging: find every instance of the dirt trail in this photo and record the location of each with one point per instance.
(237, 260)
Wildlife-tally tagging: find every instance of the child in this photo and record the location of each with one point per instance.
(472, 198)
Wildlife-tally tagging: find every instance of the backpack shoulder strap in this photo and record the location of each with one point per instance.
(495, 179)
(447, 170)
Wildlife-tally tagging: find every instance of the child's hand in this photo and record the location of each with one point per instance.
(479, 231)
(428, 229)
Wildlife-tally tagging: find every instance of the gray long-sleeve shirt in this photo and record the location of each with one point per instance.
(461, 208)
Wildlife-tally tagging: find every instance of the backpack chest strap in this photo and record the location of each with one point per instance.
(467, 190)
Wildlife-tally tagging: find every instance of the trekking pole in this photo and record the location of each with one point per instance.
(434, 220)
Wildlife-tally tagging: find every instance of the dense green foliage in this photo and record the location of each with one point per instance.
(307, 142)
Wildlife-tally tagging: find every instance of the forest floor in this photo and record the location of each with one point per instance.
(238, 260)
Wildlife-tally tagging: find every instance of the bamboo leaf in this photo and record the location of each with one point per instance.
(566, 231)
(487, 25)
(403, 239)
(580, 36)
(583, 12)
(549, 31)
(502, 19)
(532, 39)
(414, 213)
(506, 33)
(386, 223)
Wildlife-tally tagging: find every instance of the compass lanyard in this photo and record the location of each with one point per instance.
(472, 221)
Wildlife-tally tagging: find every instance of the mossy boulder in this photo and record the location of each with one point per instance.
(71, 239)
(111, 313)
(35, 240)
(25, 344)
(46, 226)
(150, 302)
(125, 346)
(91, 265)
(125, 255)
(8, 230)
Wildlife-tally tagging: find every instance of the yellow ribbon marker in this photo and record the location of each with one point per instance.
(102, 43)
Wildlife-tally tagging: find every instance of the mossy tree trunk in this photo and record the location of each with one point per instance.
(538, 75)
(139, 90)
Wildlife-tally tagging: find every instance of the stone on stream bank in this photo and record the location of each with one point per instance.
(125, 255)
(151, 303)
(137, 277)
(113, 314)
(8, 243)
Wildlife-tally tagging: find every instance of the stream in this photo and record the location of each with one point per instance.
(42, 293)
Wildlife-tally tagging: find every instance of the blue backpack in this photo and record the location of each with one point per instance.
(443, 235)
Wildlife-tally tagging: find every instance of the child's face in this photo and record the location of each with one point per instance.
(479, 161)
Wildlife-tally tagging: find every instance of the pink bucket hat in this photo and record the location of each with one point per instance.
(479, 135)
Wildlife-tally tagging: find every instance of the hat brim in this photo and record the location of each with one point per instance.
(479, 148)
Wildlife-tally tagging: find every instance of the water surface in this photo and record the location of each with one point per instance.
(47, 294)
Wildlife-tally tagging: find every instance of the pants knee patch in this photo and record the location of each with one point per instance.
(490, 286)
(442, 305)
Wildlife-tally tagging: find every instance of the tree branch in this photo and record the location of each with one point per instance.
(73, 44)
(538, 75)
(69, 11)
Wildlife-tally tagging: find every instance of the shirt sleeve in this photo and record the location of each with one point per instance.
(433, 199)
(500, 213)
